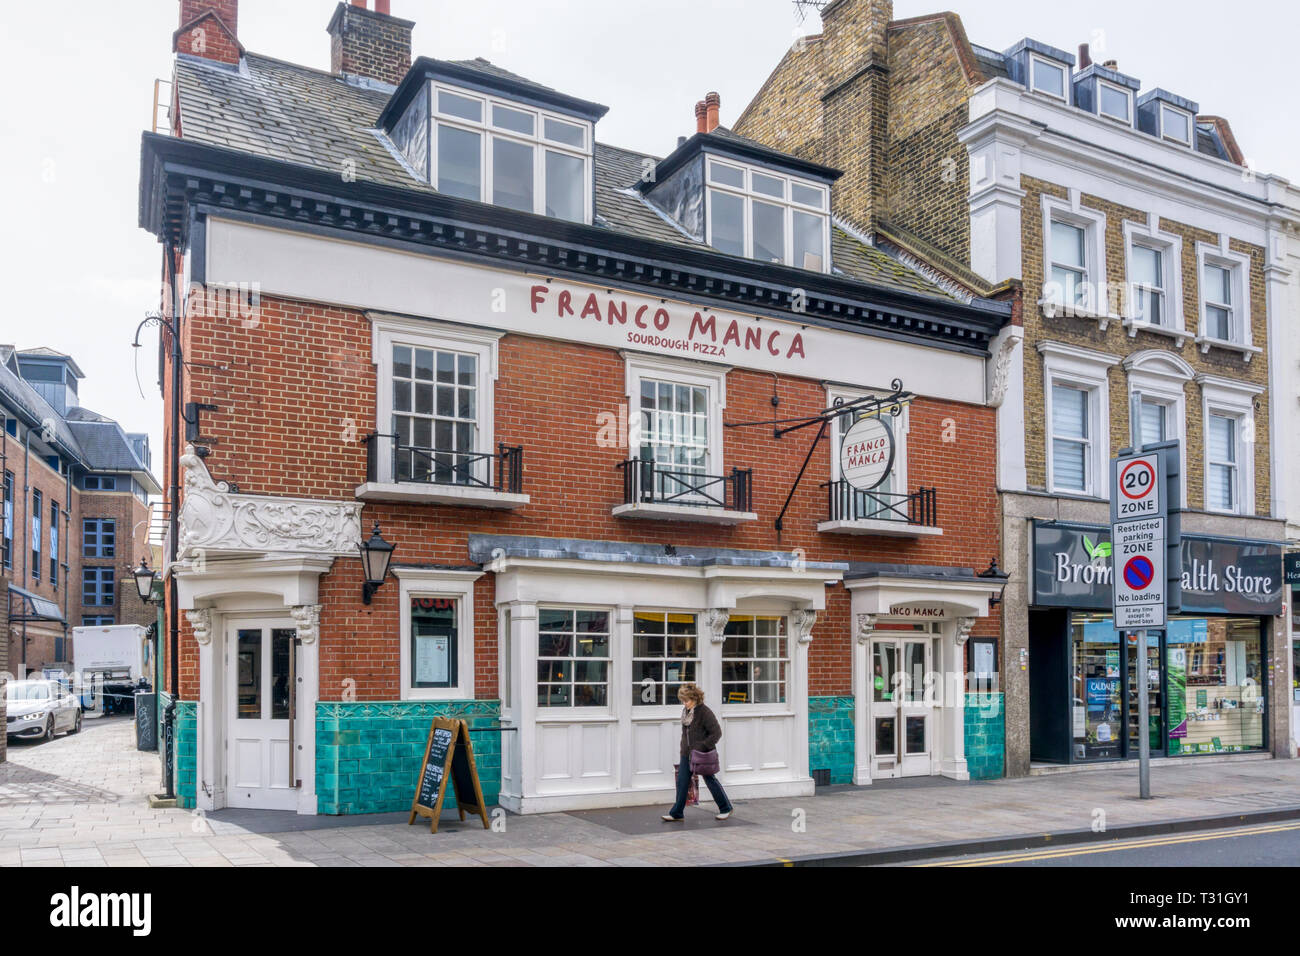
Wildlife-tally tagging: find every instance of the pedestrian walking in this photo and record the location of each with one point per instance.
(699, 753)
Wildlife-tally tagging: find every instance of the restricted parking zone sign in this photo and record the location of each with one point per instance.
(1138, 537)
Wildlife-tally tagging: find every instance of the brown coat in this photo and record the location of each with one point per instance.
(703, 732)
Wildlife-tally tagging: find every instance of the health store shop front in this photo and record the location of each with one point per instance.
(1208, 673)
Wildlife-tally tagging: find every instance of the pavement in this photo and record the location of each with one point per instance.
(82, 801)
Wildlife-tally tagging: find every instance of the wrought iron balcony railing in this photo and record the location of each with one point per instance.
(846, 503)
(502, 470)
(649, 482)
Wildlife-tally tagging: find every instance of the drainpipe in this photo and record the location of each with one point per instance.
(27, 549)
(169, 722)
(67, 566)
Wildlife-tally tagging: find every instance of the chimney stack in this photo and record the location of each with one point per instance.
(1112, 65)
(701, 117)
(712, 104)
(1085, 57)
(370, 43)
(209, 29)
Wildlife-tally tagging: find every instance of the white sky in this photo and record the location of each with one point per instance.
(80, 274)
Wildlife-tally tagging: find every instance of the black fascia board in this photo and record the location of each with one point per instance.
(483, 81)
(314, 198)
(738, 149)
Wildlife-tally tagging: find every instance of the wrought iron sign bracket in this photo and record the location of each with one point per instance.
(870, 406)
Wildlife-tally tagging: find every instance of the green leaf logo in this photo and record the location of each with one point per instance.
(1096, 551)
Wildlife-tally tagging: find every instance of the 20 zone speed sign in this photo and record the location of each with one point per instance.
(1137, 487)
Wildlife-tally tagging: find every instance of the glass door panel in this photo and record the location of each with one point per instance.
(1155, 697)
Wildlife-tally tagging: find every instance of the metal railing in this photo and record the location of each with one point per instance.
(846, 503)
(502, 470)
(648, 482)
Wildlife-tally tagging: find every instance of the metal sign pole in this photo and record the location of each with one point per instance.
(1144, 718)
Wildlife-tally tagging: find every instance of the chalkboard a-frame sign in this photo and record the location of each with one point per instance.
(447, 753)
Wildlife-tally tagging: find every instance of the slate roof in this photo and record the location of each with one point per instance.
(45, 352)
(96, 441)
(105, 446)
(308, 117)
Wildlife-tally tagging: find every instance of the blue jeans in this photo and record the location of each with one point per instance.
(684, 784)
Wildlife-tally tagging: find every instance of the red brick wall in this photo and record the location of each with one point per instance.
(210, 29)
(298, 392)
(132, 543)
(32, 472)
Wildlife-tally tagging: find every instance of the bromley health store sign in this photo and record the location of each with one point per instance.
(1073, 565)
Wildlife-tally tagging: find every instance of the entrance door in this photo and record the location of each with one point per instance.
(901, 730)
(260, 703)
(1155, 683)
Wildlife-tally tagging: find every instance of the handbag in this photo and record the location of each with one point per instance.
(705, 762)
(692, 788)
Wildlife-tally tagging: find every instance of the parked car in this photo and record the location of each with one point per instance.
(41, 708)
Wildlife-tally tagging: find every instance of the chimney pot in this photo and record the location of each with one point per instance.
(701, 117)
(1112, 65)
(1085, 58)
(384, 7)
(712, 104)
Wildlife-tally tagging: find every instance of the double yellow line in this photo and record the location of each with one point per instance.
(1085, 850)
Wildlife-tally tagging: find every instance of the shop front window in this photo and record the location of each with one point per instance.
(1216, 686)
(1098, 704)
(572, 658)
(754, 660)
(665, 654)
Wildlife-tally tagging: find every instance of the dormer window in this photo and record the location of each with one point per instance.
(474, 131)
(525, 159)
(1167, 117)
(1115, 102)
(1047, 77)
(768, 216)
(1175, 125)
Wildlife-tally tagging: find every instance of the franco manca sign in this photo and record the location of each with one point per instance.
(1074, 567)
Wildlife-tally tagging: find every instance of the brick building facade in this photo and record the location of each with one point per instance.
(597, 508)
(58, 460)
(1156, 277)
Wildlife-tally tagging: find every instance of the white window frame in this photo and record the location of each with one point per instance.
(789, 657)
(700, 660)
(438, 583)
(487, 131)
(1170, 247)
(1126, 121)
(1231, 398)
(1093, 222)
(1161, 376)
(787, 203)
(678, 371)
(614, 694)
(1081, 368)
(1241, 331)
(390, 330)
(1166, 136)
(1035, 59)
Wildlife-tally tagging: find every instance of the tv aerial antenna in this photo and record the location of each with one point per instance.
(801, 8)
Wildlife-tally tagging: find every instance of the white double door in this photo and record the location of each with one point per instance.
(901, 732)
(263, 677)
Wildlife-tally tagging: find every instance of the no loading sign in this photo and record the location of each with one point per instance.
(1139, 572)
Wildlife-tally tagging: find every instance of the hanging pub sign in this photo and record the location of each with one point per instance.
(448, 755)
(867, 454)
